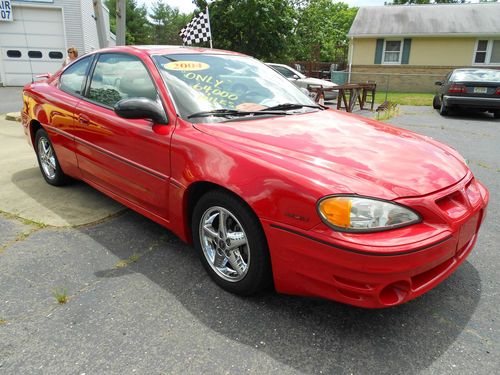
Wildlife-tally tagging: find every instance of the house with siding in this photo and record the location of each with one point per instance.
(408, 47)
(35, 35)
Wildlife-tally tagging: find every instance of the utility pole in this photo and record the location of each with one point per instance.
(102, 33)
(120, 22)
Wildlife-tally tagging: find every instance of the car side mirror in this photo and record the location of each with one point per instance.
(141, 108)
(295, 76)
(438, 83)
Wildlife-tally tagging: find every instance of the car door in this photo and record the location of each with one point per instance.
(60, 100)
(127, 158)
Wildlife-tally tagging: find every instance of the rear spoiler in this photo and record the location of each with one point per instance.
(43, 76)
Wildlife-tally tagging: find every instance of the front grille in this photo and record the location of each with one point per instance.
(454, 204)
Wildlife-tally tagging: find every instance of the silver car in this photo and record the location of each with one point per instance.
(302, 81)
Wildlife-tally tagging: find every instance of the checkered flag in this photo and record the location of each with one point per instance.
(198, 30)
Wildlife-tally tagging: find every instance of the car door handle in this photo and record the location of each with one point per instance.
(83, 119)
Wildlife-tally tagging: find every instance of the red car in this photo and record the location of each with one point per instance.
(269, 187)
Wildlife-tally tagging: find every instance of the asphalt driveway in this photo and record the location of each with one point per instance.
(140, 301)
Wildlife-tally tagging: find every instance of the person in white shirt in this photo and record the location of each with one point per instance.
(72, 55)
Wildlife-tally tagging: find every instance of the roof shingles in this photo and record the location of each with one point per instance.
(427, 20)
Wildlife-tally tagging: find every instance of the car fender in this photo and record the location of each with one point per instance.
(271, 191)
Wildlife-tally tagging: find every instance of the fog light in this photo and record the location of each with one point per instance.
(394, 293)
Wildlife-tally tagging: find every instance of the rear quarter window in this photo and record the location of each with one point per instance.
(73, 78)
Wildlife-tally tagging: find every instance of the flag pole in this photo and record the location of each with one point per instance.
(209, 28)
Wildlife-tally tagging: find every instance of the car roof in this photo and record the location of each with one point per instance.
(475, 70)
(274, 64)
(168, 49)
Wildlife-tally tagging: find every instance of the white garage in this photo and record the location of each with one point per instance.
(32, 44)
(35, 38)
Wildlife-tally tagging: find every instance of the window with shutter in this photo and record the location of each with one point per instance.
(487, 52)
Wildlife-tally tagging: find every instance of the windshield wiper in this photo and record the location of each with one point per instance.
(289, 106)
(223, 112)
(215, 112)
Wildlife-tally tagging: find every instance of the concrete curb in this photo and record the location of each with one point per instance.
(13, 116)
(25, 194)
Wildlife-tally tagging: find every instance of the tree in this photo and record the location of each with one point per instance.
(260, 28)
(167, 22)
(281, 30)
(201, 4)
(138, 26)
(405, 2)
(322, 25)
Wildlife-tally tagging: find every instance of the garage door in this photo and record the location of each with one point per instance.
(32, 44)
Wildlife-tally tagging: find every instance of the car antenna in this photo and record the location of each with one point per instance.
(29, 59)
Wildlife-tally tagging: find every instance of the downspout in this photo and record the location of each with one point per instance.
(351, 52)
(102, 33)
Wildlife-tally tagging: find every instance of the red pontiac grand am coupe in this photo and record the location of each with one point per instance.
(267, 185)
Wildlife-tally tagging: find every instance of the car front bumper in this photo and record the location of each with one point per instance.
(472, 102)
(331, 95)
(308, 263)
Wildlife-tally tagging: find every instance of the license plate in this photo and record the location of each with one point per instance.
(480, 90)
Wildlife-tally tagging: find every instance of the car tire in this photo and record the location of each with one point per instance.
(47, 160)
(496, 114)
(231, 243)
(443, 109)
(435, 102)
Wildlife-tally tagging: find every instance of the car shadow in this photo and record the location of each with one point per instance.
(464, 114)
(310, 335)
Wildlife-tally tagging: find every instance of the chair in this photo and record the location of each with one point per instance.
(369, 89)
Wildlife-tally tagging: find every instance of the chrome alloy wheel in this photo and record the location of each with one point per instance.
(224, 244)
(47, 158)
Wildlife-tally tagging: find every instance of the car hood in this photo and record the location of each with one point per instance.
(317, 82)
(345, 153)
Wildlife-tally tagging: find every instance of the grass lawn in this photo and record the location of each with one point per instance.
(405, 98)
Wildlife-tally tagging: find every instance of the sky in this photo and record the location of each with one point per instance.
(187, 6)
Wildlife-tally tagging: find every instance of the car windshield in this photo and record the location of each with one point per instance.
(476, 75)
(217, 87)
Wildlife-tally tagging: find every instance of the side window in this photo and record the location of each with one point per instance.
(13, 53)
(34, 54)
(55, 55)
(284, 71)
(72, 79)
(119, 76)
(392, 52)
(481, 51)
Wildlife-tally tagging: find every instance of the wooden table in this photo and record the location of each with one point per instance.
(358, 92)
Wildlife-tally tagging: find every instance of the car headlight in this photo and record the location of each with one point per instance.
(358, 214)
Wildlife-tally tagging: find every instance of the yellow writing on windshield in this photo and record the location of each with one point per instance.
(204, 78)
(212, 88)
(186, 65)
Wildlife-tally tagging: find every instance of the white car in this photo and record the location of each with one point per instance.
(300, 80)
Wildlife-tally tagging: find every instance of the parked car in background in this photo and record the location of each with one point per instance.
(471, 88)
(271, 188)
(300, 80)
